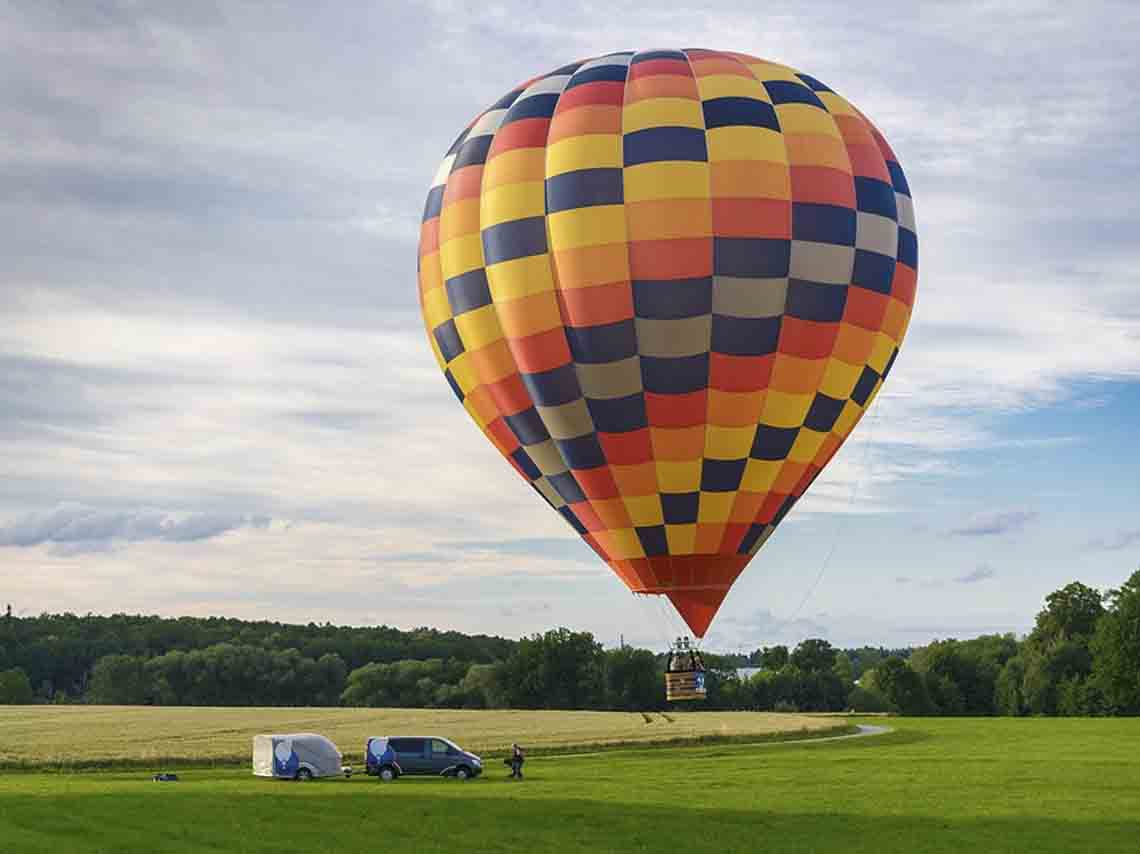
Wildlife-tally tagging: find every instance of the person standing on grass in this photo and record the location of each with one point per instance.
(517, 760)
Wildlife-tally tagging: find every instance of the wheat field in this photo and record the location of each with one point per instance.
(91, 736)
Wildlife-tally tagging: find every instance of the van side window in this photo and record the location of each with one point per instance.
(439, 747)
(408, 745)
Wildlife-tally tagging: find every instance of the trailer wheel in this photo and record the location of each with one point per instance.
(304, 775)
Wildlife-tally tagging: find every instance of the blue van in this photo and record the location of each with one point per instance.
(389, 757)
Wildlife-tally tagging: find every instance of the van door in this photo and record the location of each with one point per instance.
(411, 755)
(443, 755)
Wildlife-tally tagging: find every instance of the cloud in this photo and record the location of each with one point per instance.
(996, 524)
(209, 293)
(568, 548)
(77, 529)
(982, 573)
(1116, 542)
(760, 628)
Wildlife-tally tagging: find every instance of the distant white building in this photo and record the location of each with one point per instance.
(743, 673)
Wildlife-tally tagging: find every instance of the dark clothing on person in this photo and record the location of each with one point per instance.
(516, 761)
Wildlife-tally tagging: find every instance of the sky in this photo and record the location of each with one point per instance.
(216, 395)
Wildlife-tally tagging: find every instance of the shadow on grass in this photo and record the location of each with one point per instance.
(197, 820)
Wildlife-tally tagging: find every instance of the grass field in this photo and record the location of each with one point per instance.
(931, 785)
(94, 736)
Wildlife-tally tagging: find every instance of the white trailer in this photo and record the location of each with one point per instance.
(296, 756)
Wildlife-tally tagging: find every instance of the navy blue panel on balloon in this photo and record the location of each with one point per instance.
(754, 534)
(606, 342)
(524, 462)
(554, 387)
(468, 291)
(823, 413)
(680, 508)
(569, 516)
(565, 485)
(813, 301)
(675, 376)
(864, 386)
(519, 238)
(581, 452)
(653, 540)
(434, 203)
(875, 196)
(473, 152)
(898, 179)
(745, 336)
(527, 426)
(664, 143)
(585, 188)
(823, 223)
(787, 92)
(614, 73)
(753, 257)
(670, 299)
(721, 475)
(619, 414)
(459, 140)
(533, 107)
(873, 271)
(447, 337)
(773, 443)
(455, 389)
(725, 112)
(814, 84)
(566, 69)
(505, 102)
(908, 248)
(785, 508)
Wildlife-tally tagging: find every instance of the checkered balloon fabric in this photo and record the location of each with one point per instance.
(667, 285)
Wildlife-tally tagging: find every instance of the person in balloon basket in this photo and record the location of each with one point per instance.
(515, 761)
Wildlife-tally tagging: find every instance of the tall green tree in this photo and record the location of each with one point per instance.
(813, 655)
(1071, 612)
(903, 689)
(632, 680)
(15, 689)
(560, 669)
(1008, 697)
(1116, 650)
(774, 657)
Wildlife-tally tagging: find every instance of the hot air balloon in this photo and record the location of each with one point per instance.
(667, 285)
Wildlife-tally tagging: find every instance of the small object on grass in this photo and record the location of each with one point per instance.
(648, 718)
(165, 777)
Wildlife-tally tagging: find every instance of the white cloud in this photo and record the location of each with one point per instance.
(209, 296)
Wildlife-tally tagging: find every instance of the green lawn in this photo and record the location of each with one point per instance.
(944, 785)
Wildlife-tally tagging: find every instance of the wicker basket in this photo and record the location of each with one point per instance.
(685, 685)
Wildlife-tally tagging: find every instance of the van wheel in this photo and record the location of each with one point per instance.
(387, 775)
(304, 775)
(462, 773)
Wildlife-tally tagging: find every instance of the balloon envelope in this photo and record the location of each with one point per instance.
(667, 285)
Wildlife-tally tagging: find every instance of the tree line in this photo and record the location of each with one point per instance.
(1081, 658)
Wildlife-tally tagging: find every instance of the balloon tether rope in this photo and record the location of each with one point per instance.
(842, 524)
